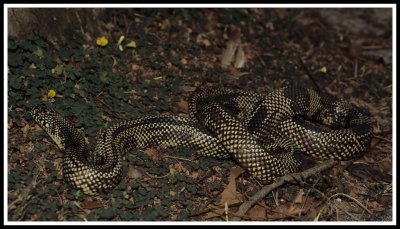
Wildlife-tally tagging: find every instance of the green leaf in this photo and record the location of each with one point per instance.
(104, 77)
(14, 60)
(15, 82)
(39, 52)
(59, 69)
(77, 194)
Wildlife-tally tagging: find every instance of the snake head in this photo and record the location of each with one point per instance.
(340, 114)
(42, 115)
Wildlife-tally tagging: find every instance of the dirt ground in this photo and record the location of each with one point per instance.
(343, 52)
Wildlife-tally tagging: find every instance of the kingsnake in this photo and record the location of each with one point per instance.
(262, 133)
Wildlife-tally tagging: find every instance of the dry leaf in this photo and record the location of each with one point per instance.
(184, 61)
(216, 212)
(257, 212)
(184, 105)
(240, 58)
(152, 153)
(229, 195)
(348, 90)
(285, 211)
(206, 42)
(229, 53)
(172, 193)
(373, 204)
(10, 124)
(235, 173)
(299, 197)
(25, 130)
(106, 118)
(165, 24)
(114, 70)
(135, 67)
(134, 173)
(213, 178)
(88, 204)
(194, 174)
(26, 147)
(177, 167)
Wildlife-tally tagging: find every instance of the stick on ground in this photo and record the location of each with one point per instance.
(279, 182)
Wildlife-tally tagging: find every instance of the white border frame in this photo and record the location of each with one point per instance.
(5, 108)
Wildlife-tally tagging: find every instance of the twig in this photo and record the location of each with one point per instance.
(110, 108)
(380, 139)
(353, 199)
(281, 181)
(383, 139)
(384, 132)
(373, 47)
(328, 200)
(178, 158)
(356, 68)
(226, 212)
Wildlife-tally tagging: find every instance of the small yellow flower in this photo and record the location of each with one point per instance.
(102, 41)
(51, 94)
(131, 44)
(323, 69)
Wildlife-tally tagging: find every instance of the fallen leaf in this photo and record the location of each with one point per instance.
(106, 118)
(178, 167)
(229, 195)
(134, 173)
(231, 49)
(135, 66)
(165, 24)
(373, 204)
(348, 90)
(194, 174)
(92, 204)
(215, 213)
(152, 153)
(25, 130)
(172, 193)
(184, 105)
(240, 58)
(206, 42)
(285, 211)
(184, 61)
(212, 179)
(299, 197)
(257, 213)
(10, 124)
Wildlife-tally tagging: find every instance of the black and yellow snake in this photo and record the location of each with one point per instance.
(262, 133)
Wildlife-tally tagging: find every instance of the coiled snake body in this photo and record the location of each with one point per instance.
(263, 134)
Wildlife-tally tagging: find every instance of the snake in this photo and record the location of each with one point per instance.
(267, 135)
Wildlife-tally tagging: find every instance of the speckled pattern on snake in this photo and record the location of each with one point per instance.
(262, 133)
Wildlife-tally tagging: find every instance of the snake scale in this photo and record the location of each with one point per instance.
(264, 134)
